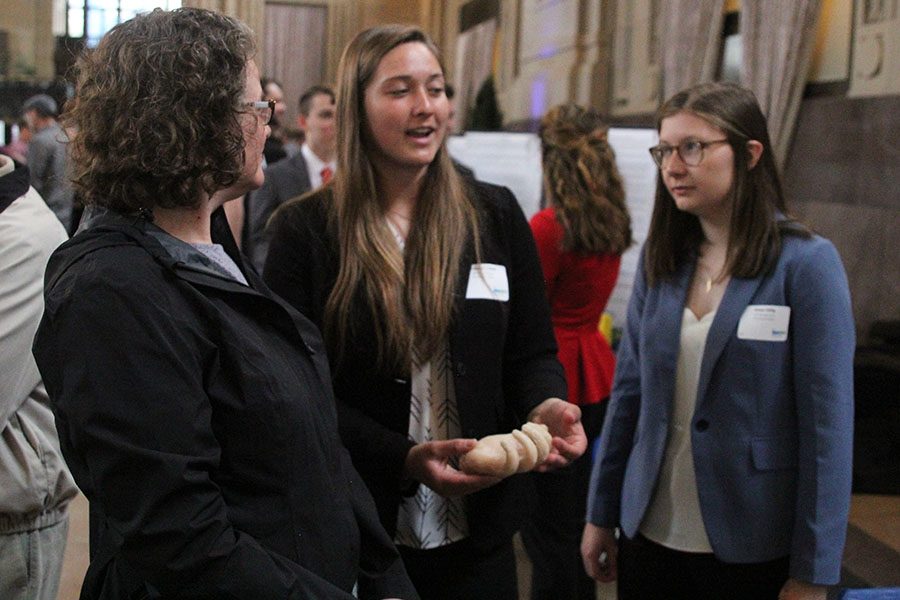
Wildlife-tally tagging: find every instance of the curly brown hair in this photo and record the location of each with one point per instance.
(582, 182)
(155, 118)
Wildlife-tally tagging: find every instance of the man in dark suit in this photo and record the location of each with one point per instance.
(309, 169)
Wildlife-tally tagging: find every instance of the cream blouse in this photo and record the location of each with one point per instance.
(427, 519)
(674, 519)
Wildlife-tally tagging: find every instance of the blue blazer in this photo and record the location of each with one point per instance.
(773, 424)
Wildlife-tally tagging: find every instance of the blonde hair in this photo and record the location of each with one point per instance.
(410, 293)
(582, 183)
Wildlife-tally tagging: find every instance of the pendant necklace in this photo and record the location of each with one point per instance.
(707, 279)
(395, 227)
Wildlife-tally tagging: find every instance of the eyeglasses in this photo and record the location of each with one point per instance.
(264, 109)
(690, 151)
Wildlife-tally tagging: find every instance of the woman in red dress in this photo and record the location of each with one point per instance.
(580, 237)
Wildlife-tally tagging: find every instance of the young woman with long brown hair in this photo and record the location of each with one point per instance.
(580, 237)
(428, 290)
(725, 457)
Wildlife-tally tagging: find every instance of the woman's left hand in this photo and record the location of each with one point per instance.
(563, 419)
(794, 589)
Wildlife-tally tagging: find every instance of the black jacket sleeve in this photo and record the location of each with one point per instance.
(301, 267)
(127, 381)
(531, 371)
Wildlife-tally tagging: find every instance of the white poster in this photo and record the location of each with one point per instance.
(639, 176)
(509, 159)
(514, 160)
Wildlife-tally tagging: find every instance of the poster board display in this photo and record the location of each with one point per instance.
(514, 160)
(639, 177)
(509, 159)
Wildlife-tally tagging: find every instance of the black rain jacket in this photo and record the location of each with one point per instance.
(197, 416)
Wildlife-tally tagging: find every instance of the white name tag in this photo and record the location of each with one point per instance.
(764, 323)
(488, 282)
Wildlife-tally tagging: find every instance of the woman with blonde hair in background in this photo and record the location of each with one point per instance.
(580, 237)
(428, 290)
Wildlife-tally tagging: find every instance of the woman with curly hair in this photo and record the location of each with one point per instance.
(193, 405)
(429, 293)
(580, 237)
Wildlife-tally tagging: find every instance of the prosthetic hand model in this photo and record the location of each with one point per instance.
(503, 454)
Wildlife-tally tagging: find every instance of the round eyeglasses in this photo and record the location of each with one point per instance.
(690, 151)
(264, 109)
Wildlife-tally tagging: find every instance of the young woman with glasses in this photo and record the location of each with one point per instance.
(193, 405)
(725, 458)
(429, 293)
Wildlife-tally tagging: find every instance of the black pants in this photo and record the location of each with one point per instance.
(463, 571)
(553, 536)
(648, 570)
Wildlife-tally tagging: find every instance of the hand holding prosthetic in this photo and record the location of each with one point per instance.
(503, 454)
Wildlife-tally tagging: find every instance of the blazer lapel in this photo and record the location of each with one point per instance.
(667, 329)
(467, 259)
(737, 296)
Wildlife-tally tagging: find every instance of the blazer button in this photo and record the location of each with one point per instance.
(460, 369)
(701, 425)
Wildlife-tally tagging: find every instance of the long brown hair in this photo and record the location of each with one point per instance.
(756, 197)
(410, 294)
(582, 183)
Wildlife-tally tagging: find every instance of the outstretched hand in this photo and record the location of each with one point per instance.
(429, 463)
(563, 419)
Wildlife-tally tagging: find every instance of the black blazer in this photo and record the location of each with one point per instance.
(503, 353)
(196, 415)
(284, 180)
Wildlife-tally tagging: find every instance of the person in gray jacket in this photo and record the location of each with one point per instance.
(47, 157)
(35, 485)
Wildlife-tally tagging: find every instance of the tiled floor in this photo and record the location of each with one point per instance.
(872, 551)
(605, 591)
(879, 516)
(872, 555)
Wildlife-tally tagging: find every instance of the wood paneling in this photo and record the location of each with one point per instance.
(295, 50)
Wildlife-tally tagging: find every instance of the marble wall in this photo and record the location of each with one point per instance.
(842, 179)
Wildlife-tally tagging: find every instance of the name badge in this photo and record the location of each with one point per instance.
(488, 282)
(764, 323)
